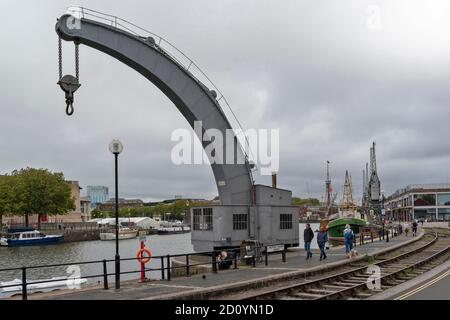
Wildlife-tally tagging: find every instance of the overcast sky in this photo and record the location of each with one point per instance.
(333, 76)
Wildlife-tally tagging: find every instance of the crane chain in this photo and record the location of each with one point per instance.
(77, 64)
(68, 83)
(60, 57)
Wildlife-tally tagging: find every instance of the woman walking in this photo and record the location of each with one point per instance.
(348, 238)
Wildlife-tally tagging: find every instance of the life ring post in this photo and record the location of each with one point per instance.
(142, 259)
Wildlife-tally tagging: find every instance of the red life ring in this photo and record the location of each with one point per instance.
(140, 255)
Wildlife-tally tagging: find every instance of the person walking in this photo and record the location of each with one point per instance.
(308, 235)
(414, 228)
(406, 227)
(348, 238)
(322, 238)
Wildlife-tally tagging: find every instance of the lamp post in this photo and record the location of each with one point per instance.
(116, 147)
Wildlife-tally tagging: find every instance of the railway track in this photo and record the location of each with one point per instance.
(364, 279)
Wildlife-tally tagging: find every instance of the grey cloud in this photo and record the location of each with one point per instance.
(312, 69)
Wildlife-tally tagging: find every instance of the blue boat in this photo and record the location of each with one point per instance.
(29, 238)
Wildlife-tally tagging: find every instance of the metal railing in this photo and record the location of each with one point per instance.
(166, 268)
(174, 53)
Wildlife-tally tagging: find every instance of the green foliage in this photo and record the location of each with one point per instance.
(39, 191)
(172, 211)
(308, 201)
(6, 196)
(95, 213)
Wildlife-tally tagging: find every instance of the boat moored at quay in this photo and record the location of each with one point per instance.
(29, 238)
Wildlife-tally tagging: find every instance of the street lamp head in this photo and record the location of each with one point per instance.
(115, 147)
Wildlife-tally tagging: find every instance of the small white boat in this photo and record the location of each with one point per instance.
(124, 233)
(54, 284)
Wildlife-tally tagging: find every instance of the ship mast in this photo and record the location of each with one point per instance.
(347, 204)
(328, 190)
(373, 187)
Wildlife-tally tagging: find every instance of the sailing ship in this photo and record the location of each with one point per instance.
(348, 213)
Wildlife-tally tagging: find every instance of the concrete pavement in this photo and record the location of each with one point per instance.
(432, 285)
(296, 265)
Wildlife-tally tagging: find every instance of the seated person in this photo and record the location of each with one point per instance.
(223, 261)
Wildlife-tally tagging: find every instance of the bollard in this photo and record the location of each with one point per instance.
(387, 235)
(162, 269)
(187, 265)
(253, 261)
(24, 284)
(235, 260)
(168, 267)
(213, 262)
(283, 256)
(105, 276)
(371, 237)
(266, 258)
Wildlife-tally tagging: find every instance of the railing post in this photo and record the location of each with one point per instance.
(105, 276)
(213, 262)
(162, 269)
(24, 283)
(266, 258)
(283, 255)
(187, 265)
(168, 267)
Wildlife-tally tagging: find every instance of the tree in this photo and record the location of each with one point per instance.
(6, 196)
(41, 192)
(97, 214)
(301, 202)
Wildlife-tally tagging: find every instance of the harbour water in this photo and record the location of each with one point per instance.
(88, 251)
(97, 250)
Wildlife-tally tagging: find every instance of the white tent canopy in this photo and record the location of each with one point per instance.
(141, 222)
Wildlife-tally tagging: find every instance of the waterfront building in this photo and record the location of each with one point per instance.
(97, 195)
(429, 202)
(110, 205)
